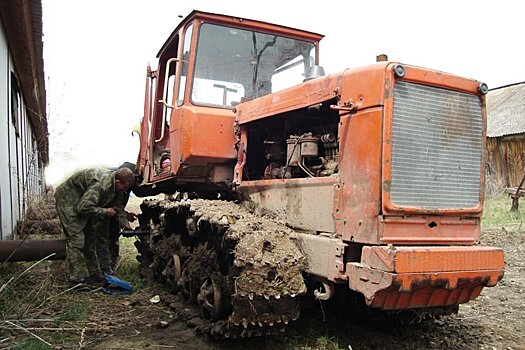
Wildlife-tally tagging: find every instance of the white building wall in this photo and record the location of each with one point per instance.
(6, 224)
(21, 175)
(13, 161)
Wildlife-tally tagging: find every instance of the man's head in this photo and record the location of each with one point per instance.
(128, 165)
(124, 179)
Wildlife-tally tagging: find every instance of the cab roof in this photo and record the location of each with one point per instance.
(241, 22)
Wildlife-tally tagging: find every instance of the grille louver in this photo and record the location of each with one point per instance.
(436, 147)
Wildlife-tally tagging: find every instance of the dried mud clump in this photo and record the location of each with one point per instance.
(243, 269)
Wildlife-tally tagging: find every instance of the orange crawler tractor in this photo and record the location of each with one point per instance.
(288, 182)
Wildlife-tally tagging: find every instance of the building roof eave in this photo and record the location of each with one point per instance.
(22, 22)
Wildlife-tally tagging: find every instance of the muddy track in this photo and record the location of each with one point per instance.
(242, 270)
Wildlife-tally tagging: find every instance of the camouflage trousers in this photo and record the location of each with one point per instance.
(97, 251)
(114, 246)
(87, 245)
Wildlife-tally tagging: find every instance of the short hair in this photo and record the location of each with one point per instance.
(125, 175)
(128, 165)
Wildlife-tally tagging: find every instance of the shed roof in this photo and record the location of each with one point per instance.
(506, 110)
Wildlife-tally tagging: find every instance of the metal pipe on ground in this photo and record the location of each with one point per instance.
(32, 250)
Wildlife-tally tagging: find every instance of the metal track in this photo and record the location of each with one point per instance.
(242, 270)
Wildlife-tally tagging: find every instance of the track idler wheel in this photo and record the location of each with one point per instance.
(172, 273)
(188, 286)
(210, 299)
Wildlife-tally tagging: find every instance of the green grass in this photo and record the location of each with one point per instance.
(61, 337)
(313, 334)
(76, 312)
(327, 343)
(497, 214)
(316, 342)
(129, 266)
(21, 299)
(33, 344)
(37, 298)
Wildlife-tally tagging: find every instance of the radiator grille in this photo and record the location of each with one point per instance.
(436, 147)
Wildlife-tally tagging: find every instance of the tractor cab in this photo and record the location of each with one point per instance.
(208, 65)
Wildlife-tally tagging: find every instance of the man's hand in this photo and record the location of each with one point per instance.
(131, 216)
(127, 227)
(110, 212)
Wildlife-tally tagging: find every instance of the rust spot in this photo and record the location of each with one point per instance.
(387, 184)
(388, 88)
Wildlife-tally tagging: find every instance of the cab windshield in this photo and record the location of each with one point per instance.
(235, 65)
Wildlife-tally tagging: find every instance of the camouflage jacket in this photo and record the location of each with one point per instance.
(87, 194)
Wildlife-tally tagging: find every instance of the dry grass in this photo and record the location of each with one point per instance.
(494, 186)
(39, 310)
(40, 219)
(497, 214)
(496, 210)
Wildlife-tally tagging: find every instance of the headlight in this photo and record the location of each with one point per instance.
(399, 71)
(483, 88)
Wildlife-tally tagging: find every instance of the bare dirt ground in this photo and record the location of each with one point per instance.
(495, 320)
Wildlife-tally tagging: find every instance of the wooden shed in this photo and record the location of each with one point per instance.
(506, 134)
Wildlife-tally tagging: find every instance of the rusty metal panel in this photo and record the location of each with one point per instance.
(360, 162)
(426, 297)
(390, 291)
(341, 86)
(428, 230)
(411, 277)
(432, 259)
(206, 135)
(324, 255)
(436, 147)
(306, 204)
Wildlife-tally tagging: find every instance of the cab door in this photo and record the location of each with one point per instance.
(177, 114)
(145, 124)
(160, 152)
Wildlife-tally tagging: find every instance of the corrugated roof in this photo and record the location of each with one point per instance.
(506, 110)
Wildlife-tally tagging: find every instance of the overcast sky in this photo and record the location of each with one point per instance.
(96, 52)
